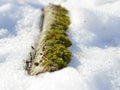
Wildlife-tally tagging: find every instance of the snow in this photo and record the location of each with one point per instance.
(95, 34)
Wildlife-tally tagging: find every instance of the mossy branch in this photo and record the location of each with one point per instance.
(52, 53)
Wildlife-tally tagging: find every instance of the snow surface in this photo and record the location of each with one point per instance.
(94, 31)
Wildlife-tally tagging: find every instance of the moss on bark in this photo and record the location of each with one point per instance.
(52, 53)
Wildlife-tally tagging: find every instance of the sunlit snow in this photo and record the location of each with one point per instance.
(95, 34)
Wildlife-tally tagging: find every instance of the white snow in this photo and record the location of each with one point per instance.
(95, 34)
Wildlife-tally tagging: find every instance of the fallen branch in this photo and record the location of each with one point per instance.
(51, 53)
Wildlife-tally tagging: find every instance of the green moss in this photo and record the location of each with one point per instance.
(61, 9)
(58, 56)
(62, 21)
(56, 42)
(62, 18)
(58, 37)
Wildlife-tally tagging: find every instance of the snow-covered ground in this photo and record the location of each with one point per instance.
(94, 31)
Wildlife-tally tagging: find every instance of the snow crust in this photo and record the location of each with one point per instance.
(95, 34)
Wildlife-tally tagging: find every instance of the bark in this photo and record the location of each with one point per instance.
(36, 63)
